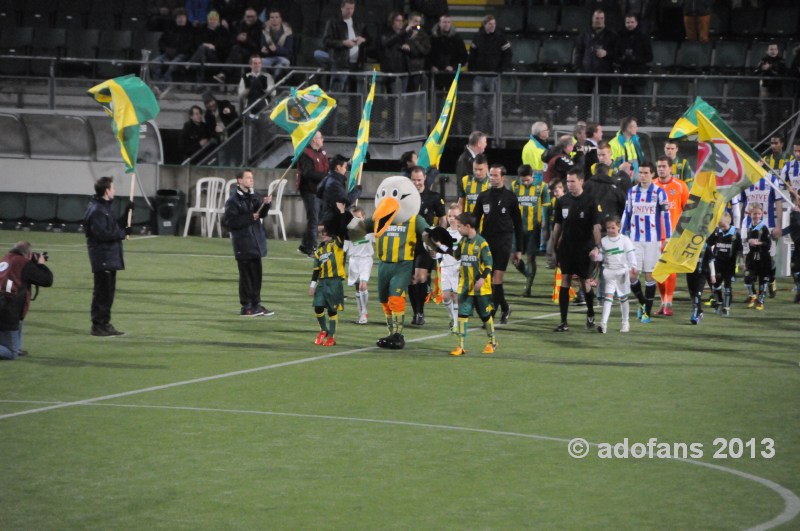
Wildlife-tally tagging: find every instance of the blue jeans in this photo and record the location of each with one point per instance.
(11, 343)
(157, 70)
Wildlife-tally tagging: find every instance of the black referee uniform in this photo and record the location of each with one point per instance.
(499, 221)
(432, 209)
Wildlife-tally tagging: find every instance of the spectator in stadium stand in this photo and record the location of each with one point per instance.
(447, 51)
(196, 134)
(159, 13)
(770, 67)
(697, 19)
(431, 10)
(393, 60)
(537, 144)
(594, 54)
(345, 40)
(197, 12)
(277, 43)
(214, 44)
(490, 55)
(645, 11)
(255, 85)
(416, 48)
(246, 41)
(176, 45)
(634, 52)
(230, 11)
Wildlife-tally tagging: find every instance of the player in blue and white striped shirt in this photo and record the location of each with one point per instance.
(791, 170)
(646, 221)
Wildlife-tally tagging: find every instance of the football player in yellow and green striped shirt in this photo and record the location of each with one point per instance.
(329, 271)
(470, 186)
(475, 283)
(534, 205)
(681, 169)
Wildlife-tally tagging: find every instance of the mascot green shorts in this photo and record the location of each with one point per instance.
(393, 279)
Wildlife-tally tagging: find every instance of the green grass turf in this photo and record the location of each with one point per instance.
(287, 439)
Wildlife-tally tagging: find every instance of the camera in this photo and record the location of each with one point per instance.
(43, 254)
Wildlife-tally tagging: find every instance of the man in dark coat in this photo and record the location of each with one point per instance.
(19, 270)
(312, 166)
(489, 54)
(333, 189)
(447, 51)
(244, 210)
(594, 54)
(104, 235)
(633, 53)
(345, 40)
(476, 144)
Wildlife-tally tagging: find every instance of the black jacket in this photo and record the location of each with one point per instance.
(447, 49)
(490, 52)
(247, 234)
(227, 113)
(177, 40)
(777, 69)
(332, 190)
(464, 164)
(191, 134)
(608, 194)
(104, 235)
(633, 52)
(585, 57)
(498, 208)
(334, 34)
(393, 60)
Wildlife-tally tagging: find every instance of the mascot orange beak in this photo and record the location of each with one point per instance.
(384, 214)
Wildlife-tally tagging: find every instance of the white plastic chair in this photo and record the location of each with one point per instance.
(275, 205)
(219, 212)
(206, 203)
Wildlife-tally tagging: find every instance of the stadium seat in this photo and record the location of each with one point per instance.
(710, 88)
(38, 14)
(208, 191)
(47, 42)
(511, 19)
(275, 190)
(574, 19)
(747, 21)
(71, 14)
(663, 55)
(12, 207)
(525, 53)
(15, 41)
(535, 84)
(672, 87)
(8, 14)
(693, 56)
(781, 21)
(720, 22)
(729, 56)
(556, 54)
(542, 20)
(113, 44)
(40, 210)
(81, 44)
(14, 140)
(134, 15)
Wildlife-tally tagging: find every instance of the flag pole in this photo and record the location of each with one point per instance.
(130, 212)
(280, 179)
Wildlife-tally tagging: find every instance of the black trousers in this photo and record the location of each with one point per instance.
(249, 281)
(105, 286)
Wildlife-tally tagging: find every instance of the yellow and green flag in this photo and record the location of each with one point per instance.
(723, 171)
(687, 126)
(362, 141)
(302, 114)
(129, 102)
(431, 151)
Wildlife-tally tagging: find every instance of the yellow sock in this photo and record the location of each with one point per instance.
(463, 325)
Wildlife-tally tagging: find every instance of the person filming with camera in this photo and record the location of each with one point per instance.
(20, 269)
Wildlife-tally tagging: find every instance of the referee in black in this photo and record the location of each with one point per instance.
(498, 219)
(576, 234)
(433, 210)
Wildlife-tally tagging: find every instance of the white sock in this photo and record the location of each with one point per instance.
(364, 299)
(606, 309)
(358, 302)
(625, 309)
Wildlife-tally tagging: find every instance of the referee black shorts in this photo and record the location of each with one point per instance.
(575, 262)
(422, 258)
(501, 250)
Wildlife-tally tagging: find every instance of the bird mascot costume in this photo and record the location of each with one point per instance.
(397, 226)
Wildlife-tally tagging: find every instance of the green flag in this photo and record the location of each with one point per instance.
(129, 102)
(687, 126)
(362, 140)
(431, 151)
(302, 114)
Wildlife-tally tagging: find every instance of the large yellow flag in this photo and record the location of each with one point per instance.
(723, 171)
(302, 114)
(431, 151)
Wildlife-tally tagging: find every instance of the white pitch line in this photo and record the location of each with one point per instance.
(203, 379)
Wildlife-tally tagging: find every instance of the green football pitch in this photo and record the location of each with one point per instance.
(200, 419)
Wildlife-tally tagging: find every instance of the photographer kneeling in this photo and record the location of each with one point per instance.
(19, 270)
